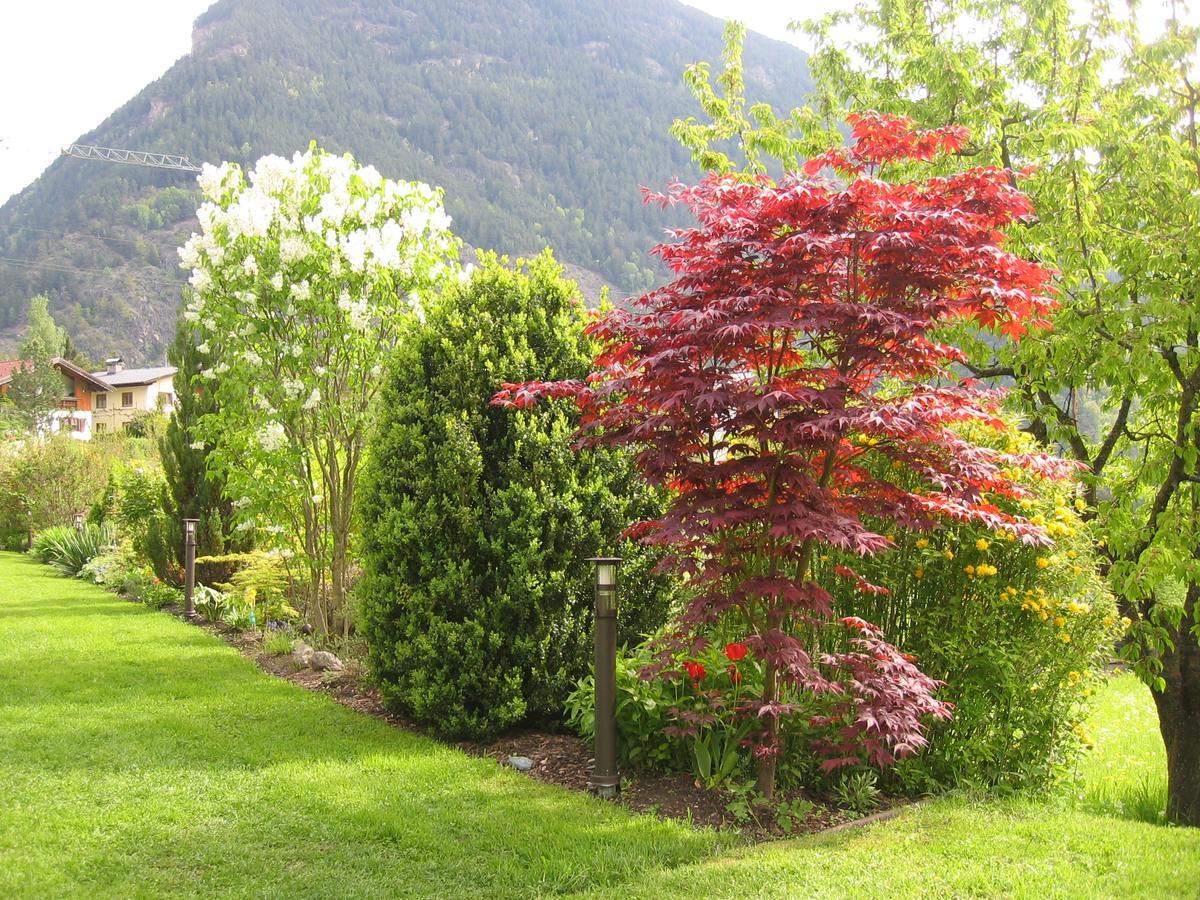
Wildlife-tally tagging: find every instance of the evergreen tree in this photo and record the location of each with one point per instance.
(190, 491)
(477, 523)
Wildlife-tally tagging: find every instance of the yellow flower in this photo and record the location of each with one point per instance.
(1039, 519)
(949, 554)
(922, 543)
(1071, 554)
(1043, 615)
(919, 572)
(1126, 621)
(824, 557)
(1064, 637)
(1042, 562)
(1010, 535)
(1078, 608)
(981, 545)
(1080, 504)
(1059, 621)
(970, 570)
(1109, 620)
(1073, 678)
(1026, 503)
(896, 464)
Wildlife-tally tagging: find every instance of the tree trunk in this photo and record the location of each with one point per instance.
(1179, 717)
(766, 764)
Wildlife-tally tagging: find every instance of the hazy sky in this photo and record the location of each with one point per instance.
(66, 64)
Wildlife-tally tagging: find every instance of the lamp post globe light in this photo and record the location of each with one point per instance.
(189, 575)
(605, 781)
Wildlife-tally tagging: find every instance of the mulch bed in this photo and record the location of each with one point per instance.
(558, 759)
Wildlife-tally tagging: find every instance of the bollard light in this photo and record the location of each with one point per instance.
(189, 572)
(79, 521)
(605, 781)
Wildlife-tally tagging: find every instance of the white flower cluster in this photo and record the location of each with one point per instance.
(257, 245)
(271, 437)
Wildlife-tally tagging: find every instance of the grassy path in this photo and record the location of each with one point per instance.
(141, 757)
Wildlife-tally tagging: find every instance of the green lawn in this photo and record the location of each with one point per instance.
(140, 756)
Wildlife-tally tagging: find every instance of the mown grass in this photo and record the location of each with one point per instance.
(1126, 774)
(141, 757)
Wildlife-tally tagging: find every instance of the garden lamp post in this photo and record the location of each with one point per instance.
(604, 780)
(79, 521)
(189, 574)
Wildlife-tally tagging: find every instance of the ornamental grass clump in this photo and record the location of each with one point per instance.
(795, 348)
(69, 549)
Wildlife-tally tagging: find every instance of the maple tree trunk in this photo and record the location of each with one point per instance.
(766, 764)
(1179, 718)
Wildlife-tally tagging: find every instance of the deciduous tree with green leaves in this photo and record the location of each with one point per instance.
(1105, 120)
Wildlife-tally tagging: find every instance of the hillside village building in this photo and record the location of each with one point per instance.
(103, 402)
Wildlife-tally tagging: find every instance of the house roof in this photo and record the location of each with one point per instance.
(130, 377)
(69, 368)
(96, 381)
(9, 366)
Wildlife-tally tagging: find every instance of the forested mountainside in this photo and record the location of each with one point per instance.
(540, 118)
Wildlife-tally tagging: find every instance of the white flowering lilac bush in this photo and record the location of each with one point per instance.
(303, 275)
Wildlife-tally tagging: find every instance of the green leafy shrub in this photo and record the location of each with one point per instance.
(46, 482)
(1016, 632)
(211, 604)
(477, 521)
(68, 549)
(857, 791)
(642, 718)
(113, 568)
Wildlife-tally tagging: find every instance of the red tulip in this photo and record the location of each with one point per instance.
(736, 652)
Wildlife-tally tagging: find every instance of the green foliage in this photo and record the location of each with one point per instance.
(1018, 633)
(257, 592)
(278, 643)
(46, 482)
(68, 549)
(37, 386)
(857, 791)
(191, 491)
(113, 568)
(539, 122)
(477, 522)
(642, 717)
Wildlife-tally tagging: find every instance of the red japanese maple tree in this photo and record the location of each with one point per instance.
(793, 344)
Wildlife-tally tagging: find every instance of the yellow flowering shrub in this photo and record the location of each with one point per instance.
(1019, 633)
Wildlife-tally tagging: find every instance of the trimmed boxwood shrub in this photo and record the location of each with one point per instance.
(477, 521)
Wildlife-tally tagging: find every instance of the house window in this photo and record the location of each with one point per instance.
(126, 399)
(102, 401)
(77, 424)
(100, 426)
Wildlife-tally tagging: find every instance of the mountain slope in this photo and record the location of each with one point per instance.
(540, 118)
